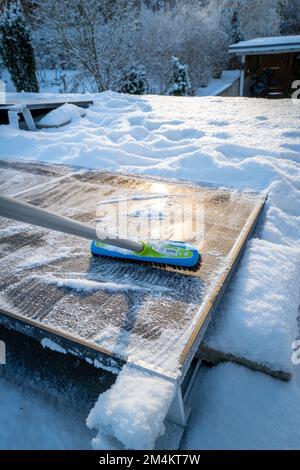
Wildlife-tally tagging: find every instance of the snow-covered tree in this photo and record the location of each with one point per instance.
(257, 18)
(188, 30)
(134, 80)
(260, 18)
(97, 39)
(179, 83)
(16, 48)
(232, 24)
(236, 32)
(290, 17)
(90, 38)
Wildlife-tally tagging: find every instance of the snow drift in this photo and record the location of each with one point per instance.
(61, 116)
(258, 316)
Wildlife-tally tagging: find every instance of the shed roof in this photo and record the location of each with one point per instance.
(268, 45)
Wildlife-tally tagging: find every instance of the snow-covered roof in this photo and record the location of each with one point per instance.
(218, 85)
(268, 45)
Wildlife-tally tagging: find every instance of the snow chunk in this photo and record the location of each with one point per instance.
(87, 285)
(133, 410)
(99, 365)
(48, 343)
(259, 311)
(61, 116)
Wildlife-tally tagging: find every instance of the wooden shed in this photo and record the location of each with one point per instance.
(270, 66)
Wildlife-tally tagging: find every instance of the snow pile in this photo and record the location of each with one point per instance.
(235, 408)
(282, 220)
(258, 317)
(133, 410)
(61, 116)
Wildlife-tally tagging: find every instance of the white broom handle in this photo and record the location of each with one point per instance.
(24, 212)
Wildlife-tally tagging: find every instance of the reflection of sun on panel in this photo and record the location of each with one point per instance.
(159, 188)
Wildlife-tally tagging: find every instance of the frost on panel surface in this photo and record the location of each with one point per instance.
(141, 313)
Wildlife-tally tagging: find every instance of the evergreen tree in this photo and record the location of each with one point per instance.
(179, 83)
(232, 24)
(16, 49)
(134, 81)
(236, 32)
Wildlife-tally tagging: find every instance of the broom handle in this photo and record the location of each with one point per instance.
(24, 212)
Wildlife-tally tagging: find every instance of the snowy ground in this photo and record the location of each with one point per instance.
(235, 408)
(28, 421)
(241, 143)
